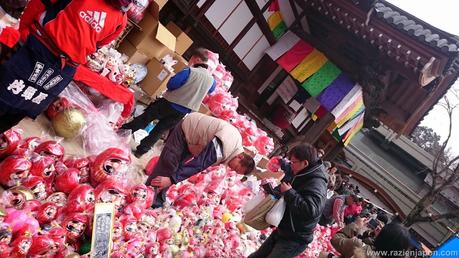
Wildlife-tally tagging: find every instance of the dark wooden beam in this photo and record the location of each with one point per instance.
(241, 34)
(261, 21)
(247, 28)
(294, 10)
(204, 8)
(198, 15)
(205, 35)
(318, 128)
(300, 15)
(334, 152)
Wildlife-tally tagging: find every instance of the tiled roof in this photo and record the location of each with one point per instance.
(414, 27)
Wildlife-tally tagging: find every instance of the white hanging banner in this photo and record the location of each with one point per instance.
(347, 101)
(286, 12)
(284, 44)
(300, 117)
(287, 89)
(350, 124)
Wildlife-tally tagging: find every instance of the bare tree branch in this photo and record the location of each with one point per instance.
(451, 180)
(446, 168)
(449, 215)
(449, 110)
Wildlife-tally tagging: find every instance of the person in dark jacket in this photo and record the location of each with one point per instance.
(304, 189)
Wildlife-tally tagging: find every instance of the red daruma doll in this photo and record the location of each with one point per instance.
(81, 198)
(51, 149)
(111, 191)
(75, 224)
(14, 169)
(21, 246)
(142, 195)
(111, 163)
(82, 164)
(47, 212)
(9, 141)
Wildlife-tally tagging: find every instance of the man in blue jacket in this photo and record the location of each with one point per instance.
(304, 188)
(185, 93)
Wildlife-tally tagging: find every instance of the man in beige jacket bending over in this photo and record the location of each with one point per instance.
(209, 141)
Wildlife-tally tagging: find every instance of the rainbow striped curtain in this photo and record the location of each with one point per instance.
(323, 81)
(275, 22)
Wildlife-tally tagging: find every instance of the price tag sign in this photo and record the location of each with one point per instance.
(104, 217)
(162, 75)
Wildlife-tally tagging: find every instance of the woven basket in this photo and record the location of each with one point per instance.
(256, 217)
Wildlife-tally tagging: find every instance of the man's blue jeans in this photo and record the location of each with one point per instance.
(277, 247)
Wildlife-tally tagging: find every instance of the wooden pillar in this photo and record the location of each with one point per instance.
(334, 152)
(318, 128)
(314, 132)
(261, 21)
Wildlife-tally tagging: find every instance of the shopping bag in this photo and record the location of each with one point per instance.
(250, 204)
(256, 216)
(274, 216)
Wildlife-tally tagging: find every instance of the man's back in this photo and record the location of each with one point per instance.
(193, 91)
(200, 129)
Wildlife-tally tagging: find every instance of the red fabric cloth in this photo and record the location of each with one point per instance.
(273, 7)
(352, 210)
(338, 212)
(280, 118)
(295, 55)
(108, 88)
(321, 112)
(9, 37)
(80, 26)
(33, 9)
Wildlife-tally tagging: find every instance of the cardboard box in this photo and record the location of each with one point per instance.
(181, 63)
(154, 40)
(268, 174)
(250, 152)
(183, 41)
(263, 162)
(156, 81)
(205, 110)
(135, 56)
(161, 3)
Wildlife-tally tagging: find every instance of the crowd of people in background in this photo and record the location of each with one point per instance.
(366, 231)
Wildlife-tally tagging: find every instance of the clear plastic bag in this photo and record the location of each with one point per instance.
(274, 216)
(111, 110)
(99, 135)
(78, 98)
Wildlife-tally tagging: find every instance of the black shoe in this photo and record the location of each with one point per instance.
(156, 205)
(160, 199)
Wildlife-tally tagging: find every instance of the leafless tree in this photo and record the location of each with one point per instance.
(444, 174)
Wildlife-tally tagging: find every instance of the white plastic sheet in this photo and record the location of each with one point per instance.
(274, 216)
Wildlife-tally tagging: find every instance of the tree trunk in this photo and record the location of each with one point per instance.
(421, 206)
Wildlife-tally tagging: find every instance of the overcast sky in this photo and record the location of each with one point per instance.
(444, 15)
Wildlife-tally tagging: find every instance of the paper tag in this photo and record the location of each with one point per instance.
(162, 75)
(257, 158)
(139, 135)
(104, 216)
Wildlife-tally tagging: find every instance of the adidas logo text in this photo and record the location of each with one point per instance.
(95, 19)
